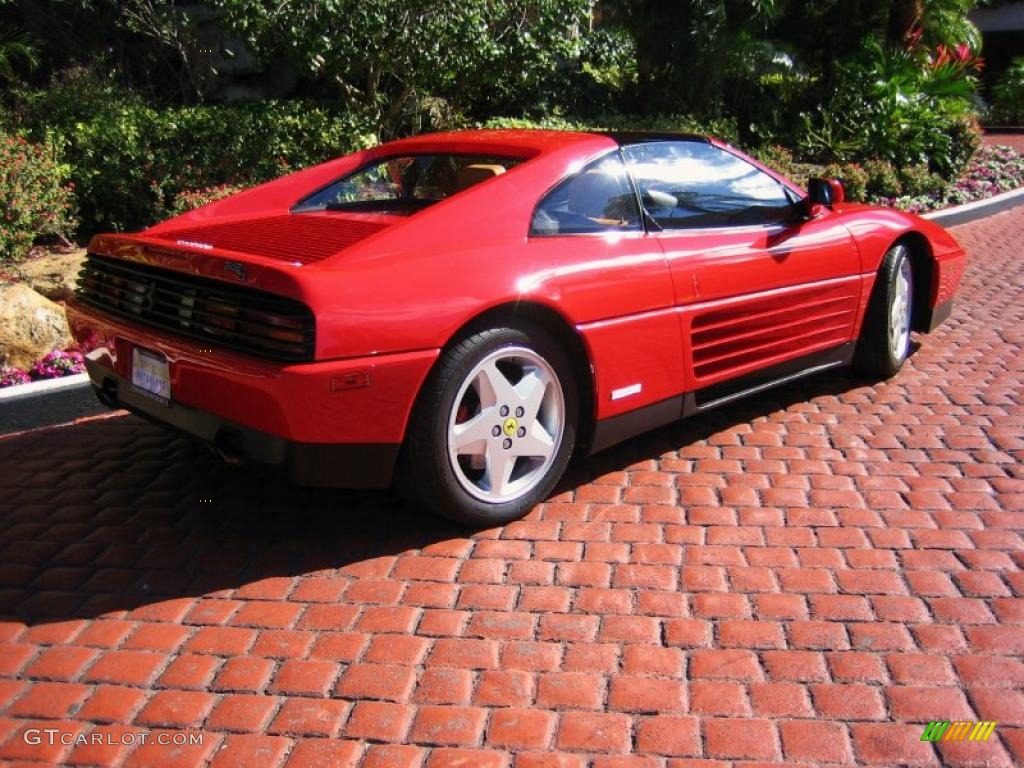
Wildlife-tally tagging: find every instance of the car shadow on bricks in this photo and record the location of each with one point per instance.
(115, 514)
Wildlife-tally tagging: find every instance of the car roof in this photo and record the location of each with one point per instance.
(639, 137)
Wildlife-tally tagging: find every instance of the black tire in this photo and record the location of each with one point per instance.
(878, 353)
(427, 475)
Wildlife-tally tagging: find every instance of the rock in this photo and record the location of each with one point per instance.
(54, 274)
(31, 326)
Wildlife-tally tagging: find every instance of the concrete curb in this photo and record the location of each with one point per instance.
(59, 401)
(979, 209)
(46, 403)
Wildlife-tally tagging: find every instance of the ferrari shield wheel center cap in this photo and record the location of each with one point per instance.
(505, 425)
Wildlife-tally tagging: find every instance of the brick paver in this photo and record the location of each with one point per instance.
(807, 577)
(1015, 140)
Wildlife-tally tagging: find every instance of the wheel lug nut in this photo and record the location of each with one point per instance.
(521, 432)
(496, 431)
(520, 412)
(503, 410)
(507, 443)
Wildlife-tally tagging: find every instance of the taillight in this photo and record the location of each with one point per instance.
(279, 327)
(231, 316)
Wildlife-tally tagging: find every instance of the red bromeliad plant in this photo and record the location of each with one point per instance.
(946, 70)
(959, 59)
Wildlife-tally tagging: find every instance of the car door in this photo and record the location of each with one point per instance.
(594, 261)
(757, 285)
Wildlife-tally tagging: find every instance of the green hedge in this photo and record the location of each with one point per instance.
(131, 162)
(1008, 95)
(723, 128)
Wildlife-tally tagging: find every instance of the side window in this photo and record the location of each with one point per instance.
(691, 184)
(597, 199)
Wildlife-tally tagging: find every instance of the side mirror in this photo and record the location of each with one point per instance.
(656, 200)
(823, 193)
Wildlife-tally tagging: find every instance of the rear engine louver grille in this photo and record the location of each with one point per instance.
(748, 334)
(300, 238)
(220, 315)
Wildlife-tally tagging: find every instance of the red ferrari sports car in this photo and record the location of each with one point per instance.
(461, 312)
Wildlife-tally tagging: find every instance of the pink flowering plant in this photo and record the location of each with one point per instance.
(993, 170)
(35, 199)
(10, 376)
(60, 362)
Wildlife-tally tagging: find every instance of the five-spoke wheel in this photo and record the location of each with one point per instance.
(899, 312)
(884, 341)
(506, 425)
(495, 426)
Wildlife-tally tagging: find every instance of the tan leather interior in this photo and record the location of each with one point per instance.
(474, 174)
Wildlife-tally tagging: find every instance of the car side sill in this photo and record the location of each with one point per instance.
(615, 429)
(783, 373)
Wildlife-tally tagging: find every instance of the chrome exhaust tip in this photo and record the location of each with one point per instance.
(227, 446)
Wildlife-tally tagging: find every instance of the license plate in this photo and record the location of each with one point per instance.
(151, 375)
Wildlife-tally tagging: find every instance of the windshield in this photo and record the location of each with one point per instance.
(407, 183)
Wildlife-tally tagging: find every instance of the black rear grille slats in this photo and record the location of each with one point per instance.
(199, 308)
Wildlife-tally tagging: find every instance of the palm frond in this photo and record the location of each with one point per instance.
(14, 46)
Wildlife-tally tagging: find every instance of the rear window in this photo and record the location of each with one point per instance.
(599, 198)
(407, 183)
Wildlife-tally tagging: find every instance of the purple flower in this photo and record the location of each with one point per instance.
(10, 377)
(58, 363)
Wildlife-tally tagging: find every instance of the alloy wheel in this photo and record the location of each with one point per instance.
(899, 311)
(506, 425)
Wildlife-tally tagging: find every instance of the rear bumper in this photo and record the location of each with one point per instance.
(333, 422)
(368, 465)
(355, 400)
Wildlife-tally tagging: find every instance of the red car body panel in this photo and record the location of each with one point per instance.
(665, 313)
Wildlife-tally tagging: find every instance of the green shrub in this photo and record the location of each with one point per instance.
(964, 134)
(722, 127)
(605, 74)
(906, 106)
(1008, 95)
(917, 180)
(778, 158)
(35, 198)
(854, 178)
(883, 179)
(191, 199)
(130, 161)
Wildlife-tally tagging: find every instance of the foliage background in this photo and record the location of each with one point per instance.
(151, 106)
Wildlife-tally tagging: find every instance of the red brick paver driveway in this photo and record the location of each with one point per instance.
(809, 577)
(1015, 140)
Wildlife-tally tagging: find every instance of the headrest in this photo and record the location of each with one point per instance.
(591, 193)
(474, 174)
